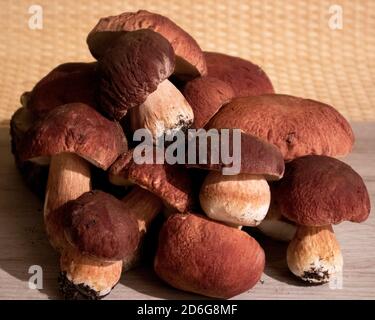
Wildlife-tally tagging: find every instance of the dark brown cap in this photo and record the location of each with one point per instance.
(199, 255)
(100, 225)
(206, 95)
(296, 126)
(245, 78)
(75, 128)
(171, 183)
(132, 69)
(190, 58)
(67, 83)
(258, 157)
(319, 190)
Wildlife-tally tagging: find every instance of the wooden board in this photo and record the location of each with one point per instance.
(23, 243)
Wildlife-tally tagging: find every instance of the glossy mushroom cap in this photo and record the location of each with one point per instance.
(206, 95)
(75, 128)
(297, 126)
(319, 191)
(190, 59)
(100, 225)
(132, 68)
(202, 256)
(170, 183)
(257, 157)
(245, 78)
(67, 83)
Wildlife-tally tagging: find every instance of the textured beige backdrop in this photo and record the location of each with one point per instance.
(291, 40)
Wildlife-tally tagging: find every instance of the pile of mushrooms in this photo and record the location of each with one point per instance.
(78, 122)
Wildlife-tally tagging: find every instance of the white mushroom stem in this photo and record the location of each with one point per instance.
(144, 206)
(240, 200)
(68, 178)
(165, 111)
(314, 254)
(276, 226)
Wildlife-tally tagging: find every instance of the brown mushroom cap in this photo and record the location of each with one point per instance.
(100, 225)
(296, 126)
(190, 58)
(206, 95)
(319, 190)
(258, 157)
(75, 128)
(170, 183)
(245, 78)
(67, 83)
(206, 257)
(132, 69)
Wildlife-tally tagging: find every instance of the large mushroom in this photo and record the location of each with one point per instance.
(244, 198)
(297, 126)
(153, 102)
(72, 137)
(67, 83)
(199, 255)
(190, 59)
(316, 192)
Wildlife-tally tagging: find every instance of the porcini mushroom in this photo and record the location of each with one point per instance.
(134, 74)
(297, 126)
(199, 255)
(67, 83)
(244, 77)
(72, 136)
(190, 59)
(316, 192)
(242, 199)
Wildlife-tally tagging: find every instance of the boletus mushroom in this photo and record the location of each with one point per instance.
(316, 192)
(199, 255)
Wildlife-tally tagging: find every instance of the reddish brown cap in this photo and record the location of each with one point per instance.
(296, 126)
(190, 58)
(206, 95)
(199, 255)
(258, 157)
(76, 128)
(319, 190)
(67, 83)
(245, 78)
(100, 225)
(170, 183)
(132, 69)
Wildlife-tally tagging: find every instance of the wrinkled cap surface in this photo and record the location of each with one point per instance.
(319, 190)
(132, 68)
(199, 255)
(245, 78)
(297, 126)
(75, 128)
(257, 156)
(170, 183)
(67, 83)
(206, 95)
(190, 58)
(100, 225)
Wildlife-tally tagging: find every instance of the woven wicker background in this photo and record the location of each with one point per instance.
(291, 40)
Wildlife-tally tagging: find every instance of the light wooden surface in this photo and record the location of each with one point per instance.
(23, 243)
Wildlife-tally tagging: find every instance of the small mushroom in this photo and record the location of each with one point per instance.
(244, 77)
(316, 192)
(190, 59)
(134, 74)
(67, 83)
(297, 126)
(241, 199)
(199, 255)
